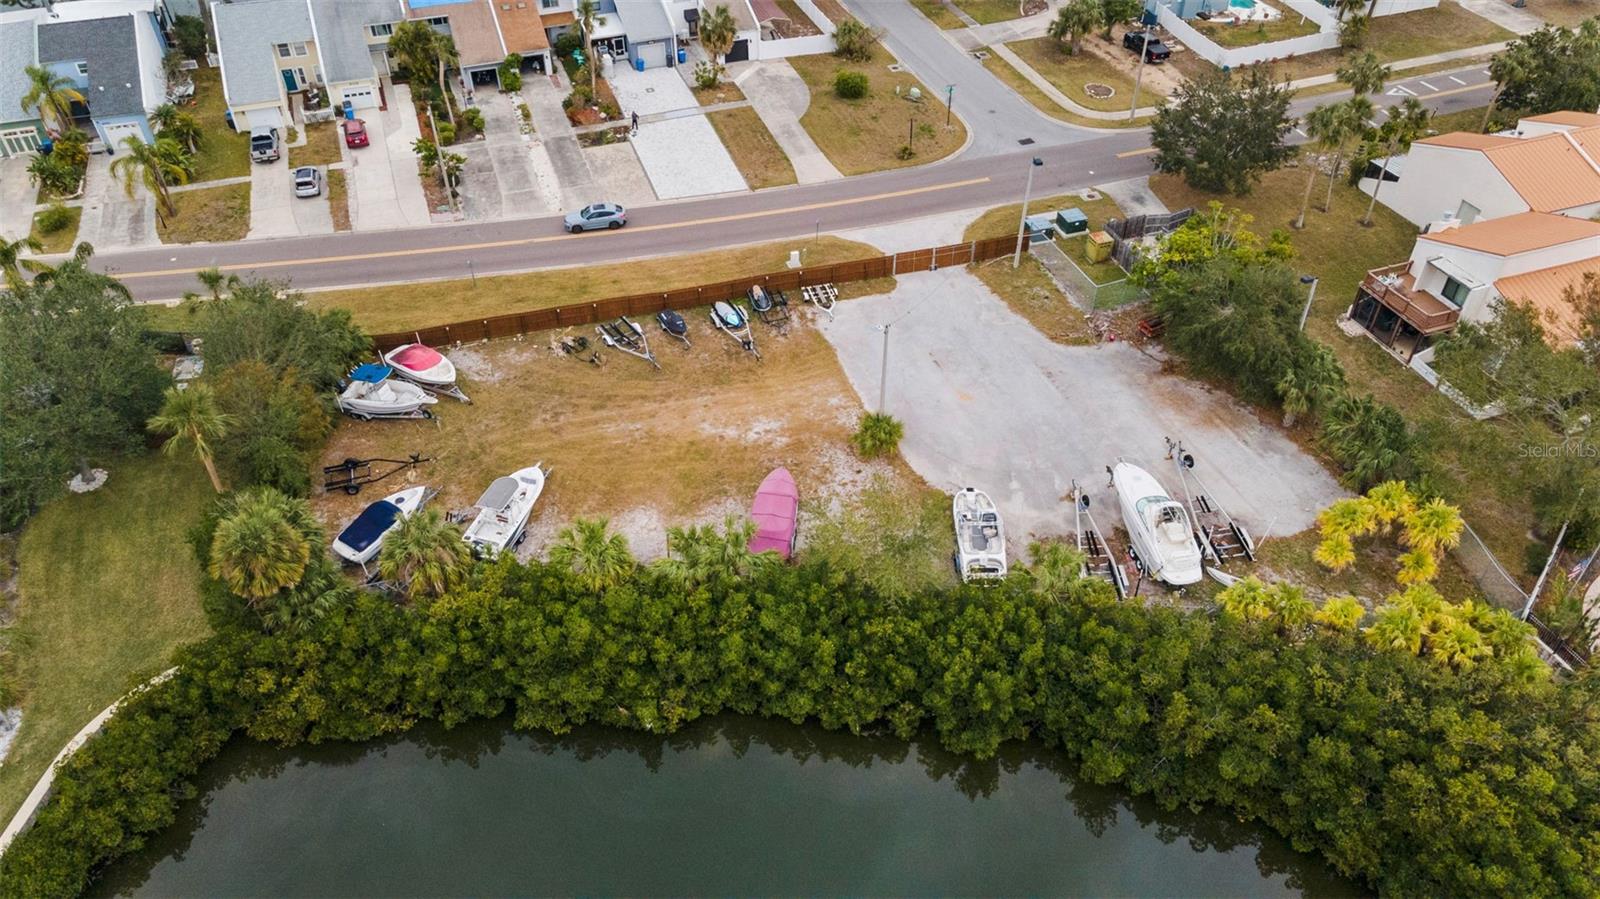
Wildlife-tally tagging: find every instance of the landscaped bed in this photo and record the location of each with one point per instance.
(61, 239)
(208, 215)
(860, 136)
(725, 92)
(1072, 72)
(321, 146)
(1029, 91)
(753, 148)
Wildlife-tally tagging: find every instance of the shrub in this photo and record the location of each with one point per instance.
(54, 218)
(854, 41)
(850, 85)
(510, 73)
(707, 74)
(905, 152)
(190, 32)
(54, 174)
(447, 133)
(73, 149)
(580, 98)
(877, 434)
(568, 42)
(473, 117)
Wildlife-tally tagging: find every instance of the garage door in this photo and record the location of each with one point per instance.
(121, 131)
(19, 141)
(361, 97)
(739, 52)
(654, 55)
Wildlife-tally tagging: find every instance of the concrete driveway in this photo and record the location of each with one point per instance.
(990, 402)
(17, 193)
(111, 219)
(381, 178)
(651, 91)
(681, 153)
(499, 179)
(272, 199)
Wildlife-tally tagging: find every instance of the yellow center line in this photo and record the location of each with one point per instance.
(524, 241)
(1455, 90)
(1145, 152)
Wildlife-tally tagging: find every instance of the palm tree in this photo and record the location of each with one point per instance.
(1391, 501)
(1407, 121)
(13, 265)
(425, 553)
(190, 415)
(1322, 127)
(150, 165)
(1247, 600)
(262, 544)
(1336, 552)
(597, 558)
(1417, 567)
(1341, 614)
(215, 280)
(1056, 566)
(698, 554)
(1433, 527)
(1311, 384)
(717, 32)
(1365, 74)
(1351, 118)
(1350, 517)
(589, 18)
(1290, 608)
(51, 96)
(1396, 626)
(445, 56)
(1506, 69)
(1074, 20)
(1116, 12)
(170, 121)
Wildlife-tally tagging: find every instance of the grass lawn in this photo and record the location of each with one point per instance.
(1466, 120)
(1029, 91)
(1568, 13)
(860, 136)
(403, 306)
(208, 214)
(107, 592)
(753, 148)
(725, 92)
(1069, 72)
(938, 13)
(338, 200)
(223, 153)
(321, 146)
(61, 240)
(1449, 65)
(987, 12)
(1471, 458)
(1289, 26)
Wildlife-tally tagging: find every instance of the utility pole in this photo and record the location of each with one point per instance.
(911, 131)
(1310, 297)
(1139, 75)
(1022, 225)
(949, 102)
(883, 371)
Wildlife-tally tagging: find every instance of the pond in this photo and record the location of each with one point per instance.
(729, 805)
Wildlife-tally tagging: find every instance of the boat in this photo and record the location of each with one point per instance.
(372, 393)
(361, 539)
(980, 537)
(776, 511)
(503, 512)
(426, 367)
(1158, 526)
(732, 321)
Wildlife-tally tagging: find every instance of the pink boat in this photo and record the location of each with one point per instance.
(426, 367)
(776, 509)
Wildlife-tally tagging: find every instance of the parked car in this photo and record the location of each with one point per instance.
(265, 145)
(355, 133)
(1155, 51)
(307, 181)
(599, 215)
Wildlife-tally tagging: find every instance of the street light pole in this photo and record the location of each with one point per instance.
(1139, 75)
(883, 371)
(1311, 296)
(1022, 226)
(949, 102)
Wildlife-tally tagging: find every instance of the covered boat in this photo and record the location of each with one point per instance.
(776, 512)
(361, 539)
(423, 364)
(980, 538)
(372, 393)
(503, 512)
(1158, 526)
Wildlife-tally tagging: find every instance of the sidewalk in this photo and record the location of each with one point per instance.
(1060, 99)
(780, 98)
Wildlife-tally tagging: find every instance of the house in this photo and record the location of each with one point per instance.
(1461, 272)
(21, 131)
(652, 37)
(473, 27)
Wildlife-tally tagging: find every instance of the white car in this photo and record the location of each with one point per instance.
(307, 181)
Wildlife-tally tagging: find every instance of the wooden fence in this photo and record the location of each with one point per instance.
(515, 323)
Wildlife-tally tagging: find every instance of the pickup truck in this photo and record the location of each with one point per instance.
(265, 145)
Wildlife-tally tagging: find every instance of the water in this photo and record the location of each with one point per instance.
(728, 806)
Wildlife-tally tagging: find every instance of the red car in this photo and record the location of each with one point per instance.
(355, 133)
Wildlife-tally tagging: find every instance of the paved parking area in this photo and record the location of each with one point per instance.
(650, 91)
(111, 220)
(272, 199)
(990, 402)
(685, 158)
(382, 177)
(17, 193)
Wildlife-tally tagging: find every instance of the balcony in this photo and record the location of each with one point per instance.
(1394, 287)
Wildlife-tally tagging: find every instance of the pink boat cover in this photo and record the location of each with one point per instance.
(775, 510)
(416, 357)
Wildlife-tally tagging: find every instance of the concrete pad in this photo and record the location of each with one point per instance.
(381, 177)
(498, 179)
(990, 402)
(1135, 197)
(312, 215)
(780, 97)
(111, 220)
(651, 91)
(17, 193)
(619, 178)
(918, 233)
(685, 158)
(554, 137)
(271, 199)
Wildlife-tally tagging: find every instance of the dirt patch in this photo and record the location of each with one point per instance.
(1159, 78)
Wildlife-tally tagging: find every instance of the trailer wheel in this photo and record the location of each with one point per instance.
(352, 489)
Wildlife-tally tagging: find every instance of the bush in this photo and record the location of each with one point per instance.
(473, 116)
(877, 434)
(73, 149)
(853, 40)
(447, 133)
(707, 74)
(580, 98)
(850, 85)
(53, 173)
(190, 32)
(54, 218)
(905, 152)
(566, 43)
(510, 73)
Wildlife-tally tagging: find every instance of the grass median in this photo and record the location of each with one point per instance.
(1072, 73)
(866, 135)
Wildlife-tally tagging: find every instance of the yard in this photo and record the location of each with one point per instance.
(753, 148)
(1568, 13)
(866, 135)
(1071, 73)
(62, 239)
(725, 92)
(939, 14)
(1029, 91)
(108, 590)
(338, 200)
(1290, 25)
(321, 146)
(208, 215)
(223, 152)
(987, 12)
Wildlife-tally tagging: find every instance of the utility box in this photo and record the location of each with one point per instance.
(1040, 227)
(1072, 221)
(1098, 246)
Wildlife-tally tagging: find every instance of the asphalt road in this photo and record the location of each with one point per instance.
(989, 173)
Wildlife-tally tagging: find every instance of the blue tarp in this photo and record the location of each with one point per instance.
(370, 371)
(371, 524)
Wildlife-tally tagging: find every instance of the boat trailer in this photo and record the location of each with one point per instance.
(578, 348)
(771, 305)
(1221, 538)
(351, 474)
(822, 296)
(452, 391)
(673, 325)
(1099, 560)
(628, 337)
(733, 321)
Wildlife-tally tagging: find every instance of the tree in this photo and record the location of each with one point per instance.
(1341, 614)
(1314, 380)
(717, 32)
(1119, 12)
(1353, 31)
(190, 416)
(265, 322)
(1370, 439)
(152, 165)
(262, 544)
(1057, 566)
(898, 544)
(12, 264)
(699, 554)
(1222, 134)
(50, 96)
(1550, 70)
(1325, 129)
(79, 381)
(1075, 19)
(190, 33)
(279, 425)
(588, 17)
(425, 554)
(1407, 121)
(444, 57)
(415, 46)
(1366, 74)
(170, 121)
(597, 558)
(510, 73)
(1350, 123)
(853, 40)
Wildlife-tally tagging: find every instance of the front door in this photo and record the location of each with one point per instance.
(289, 82)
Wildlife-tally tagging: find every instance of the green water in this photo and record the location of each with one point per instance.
(728, 806)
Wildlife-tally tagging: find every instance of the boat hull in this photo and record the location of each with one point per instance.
(493, 531)
(423, 364)
(361, 540)
(980, 536)
(1177, 562)
(776, 512)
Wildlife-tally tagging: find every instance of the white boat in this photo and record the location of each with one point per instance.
(423, 364)
(1159, 527)
(980, 537)
(371, 393)
(503, 512)
(361, 539)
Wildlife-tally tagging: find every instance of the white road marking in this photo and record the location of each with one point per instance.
(1428, 86)
(1401, 90)
(1457, 80)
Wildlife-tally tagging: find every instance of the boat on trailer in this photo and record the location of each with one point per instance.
(732, 321)
(503, 510)
(1099, 558)
(427, 368)
(362, 538)
(1221, 536)
(1158, 525)
(980, 536)
(673, 325)
(373, 393)
(776, 511)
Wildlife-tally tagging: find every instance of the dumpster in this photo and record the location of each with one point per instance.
(1072, 221)
(1098, 246)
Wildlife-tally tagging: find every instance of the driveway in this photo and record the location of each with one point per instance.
(381, 178)
(272, 200)
(990, 402)
(17, 194)
(681, 153)
(780, 97)
(500, 180)
(554, 134)
(651, 91)
(112, 220)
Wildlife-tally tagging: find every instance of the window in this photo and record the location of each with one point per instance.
(439, 21)
(83, 69)
(382, 29)
(1455, 291)
(549, 4)
(287, 51)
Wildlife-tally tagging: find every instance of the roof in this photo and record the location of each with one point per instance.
(472, 27)
(1513, 235)
(552, 20)
(246, 32)
(111, 48)
(768, 10)
(16, 48)
(644, 21)
(1466, 140)
(520, 26)
(1549, 172)
(1545, 291)
(1566, 117)
(341, 35)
